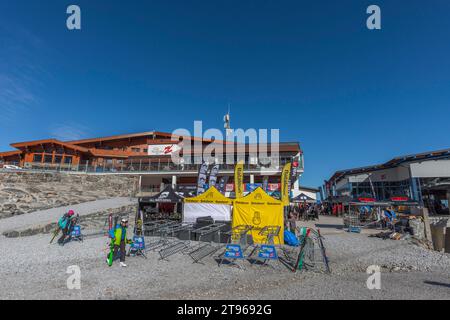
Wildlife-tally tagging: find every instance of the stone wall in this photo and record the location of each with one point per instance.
(24, 192)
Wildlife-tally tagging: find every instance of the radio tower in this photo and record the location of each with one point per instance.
(227, 125)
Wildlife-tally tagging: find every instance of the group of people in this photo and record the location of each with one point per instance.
(302, 211)
(117, 234)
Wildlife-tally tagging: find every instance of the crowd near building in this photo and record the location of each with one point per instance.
(423, 178)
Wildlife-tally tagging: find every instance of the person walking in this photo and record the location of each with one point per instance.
(119, 239)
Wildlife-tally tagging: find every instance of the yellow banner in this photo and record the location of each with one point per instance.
(239, 179)
(259, 210)
(285, 176)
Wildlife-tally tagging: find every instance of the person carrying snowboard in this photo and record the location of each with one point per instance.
(119, 240)
(66, 224)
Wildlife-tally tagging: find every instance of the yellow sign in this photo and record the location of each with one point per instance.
(285, 176)
(259, 210)
(212, 195)
(239, 179)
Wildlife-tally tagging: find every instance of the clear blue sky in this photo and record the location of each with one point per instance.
(351, 96)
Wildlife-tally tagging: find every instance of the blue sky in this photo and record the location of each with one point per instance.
(351, 96)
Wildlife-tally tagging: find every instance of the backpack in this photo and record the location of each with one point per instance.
(62, 222)
(290, 239)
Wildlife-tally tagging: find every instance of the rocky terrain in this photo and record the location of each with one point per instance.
(24, 192)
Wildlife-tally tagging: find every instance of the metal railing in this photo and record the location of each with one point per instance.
(139, 167)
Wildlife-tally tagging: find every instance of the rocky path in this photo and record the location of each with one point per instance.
(44, 217)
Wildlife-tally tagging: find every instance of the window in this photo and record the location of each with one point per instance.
(48, 158)
(146, 150)
(68, 160)
(37, 158)
(58, 159)
(135, 149)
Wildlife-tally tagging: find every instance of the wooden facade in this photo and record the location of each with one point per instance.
(112, 151)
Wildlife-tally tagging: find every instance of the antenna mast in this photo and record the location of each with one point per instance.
(227, 124)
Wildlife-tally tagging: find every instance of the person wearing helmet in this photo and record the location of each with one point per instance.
(119, 239)
(66, 224)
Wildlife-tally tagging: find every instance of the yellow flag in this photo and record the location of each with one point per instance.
(285, 176)
(239, 179)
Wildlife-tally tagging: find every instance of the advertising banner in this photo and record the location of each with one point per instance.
(202, 176)
(239, 180)
(223, 184)
(229, 187)
(250, 187)
(265, 183)
(285, 178)
(233, 251)
(213, 175)
(163, 149)
(268, 252)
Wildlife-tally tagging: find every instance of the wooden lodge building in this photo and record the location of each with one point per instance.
(146, 153)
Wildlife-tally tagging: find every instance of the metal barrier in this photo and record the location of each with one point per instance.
(203, 250)
(238, 236)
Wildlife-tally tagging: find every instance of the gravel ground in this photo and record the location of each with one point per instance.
(44, 217)
(33, 269)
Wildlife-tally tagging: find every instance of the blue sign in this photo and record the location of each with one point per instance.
(138, 243)
(268, 252)
(250, 187)
(234, 251)
(76, 232)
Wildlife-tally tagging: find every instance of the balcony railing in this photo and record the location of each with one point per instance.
(141, 166)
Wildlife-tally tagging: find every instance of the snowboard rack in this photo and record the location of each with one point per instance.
(201, 251)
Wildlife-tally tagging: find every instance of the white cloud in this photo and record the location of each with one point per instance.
(69, 131)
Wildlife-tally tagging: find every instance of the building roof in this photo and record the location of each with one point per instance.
(445, 153)
(115, 137)
(21, 145)
(309, 189)
(10, 153)
(78, 144)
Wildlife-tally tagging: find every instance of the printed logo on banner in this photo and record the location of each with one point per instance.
(138, 243)
(163, 149)
(202, 175)
(250, 187)
(233, 251)
(256, 218)
(76, 232)
(268, 252)
(213, 175)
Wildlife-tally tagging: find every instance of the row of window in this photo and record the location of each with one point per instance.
(48, 158)
(139, 150)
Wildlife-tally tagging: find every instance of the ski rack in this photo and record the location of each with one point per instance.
(269, 233)
(311, 252)
(157, 225)
(238, 235)
(159, 228)
(311, 246)
(171, 247)
(203, 250)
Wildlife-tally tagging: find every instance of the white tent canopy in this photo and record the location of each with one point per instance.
(208, 204)
(192, 211)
